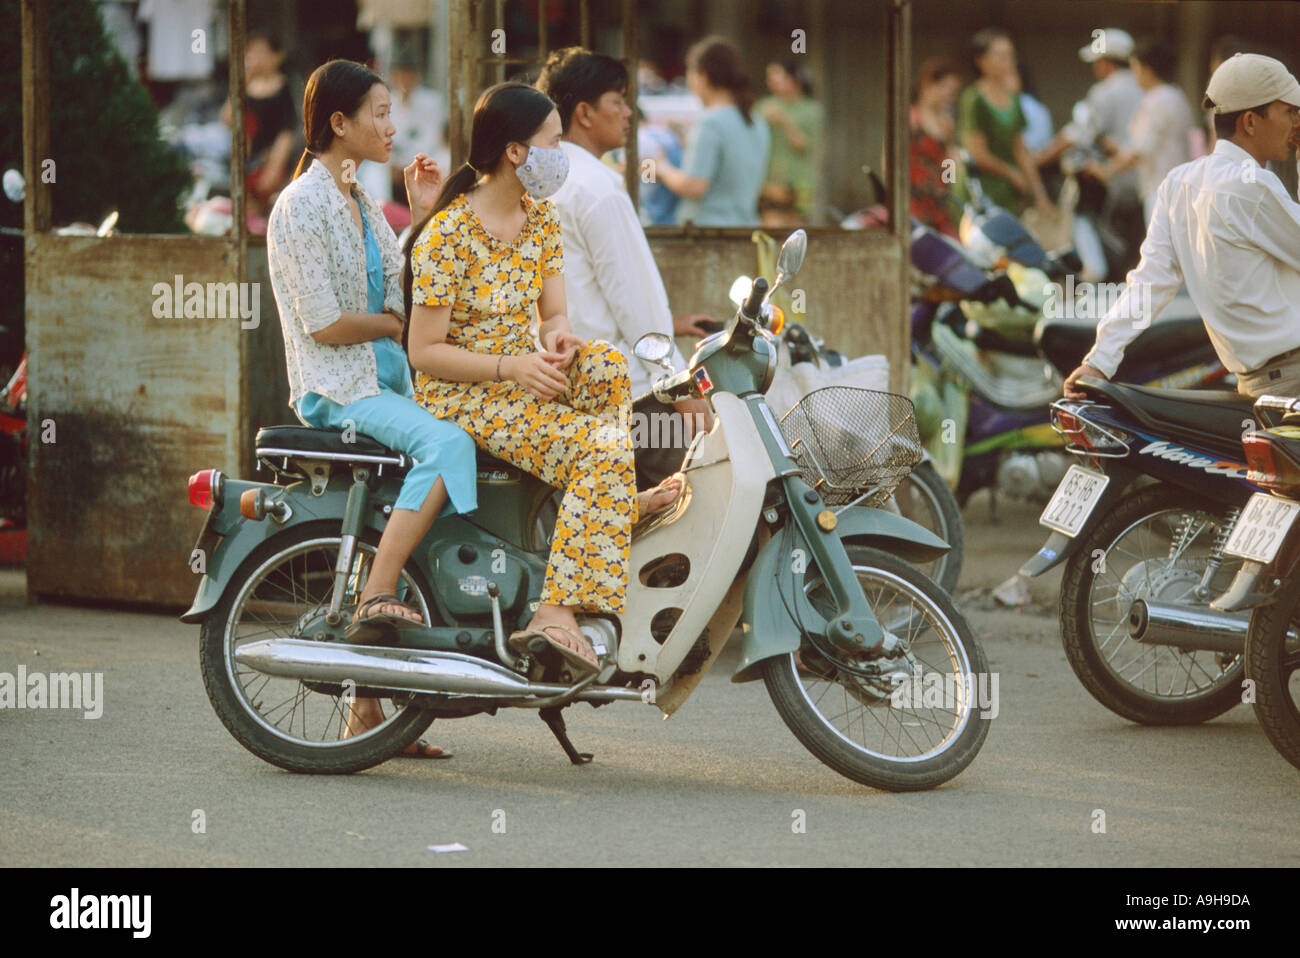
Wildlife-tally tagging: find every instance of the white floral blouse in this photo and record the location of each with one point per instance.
(317, 261)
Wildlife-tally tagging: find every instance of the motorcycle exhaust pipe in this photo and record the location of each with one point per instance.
(405, 670)
(1191, 628)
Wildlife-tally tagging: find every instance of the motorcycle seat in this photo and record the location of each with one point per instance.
(328, 444)
(1064, 342)
(1209, 418)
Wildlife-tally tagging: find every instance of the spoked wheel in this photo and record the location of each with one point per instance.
(907, 722)
(926, 499)
(284, 590)
(1273, 663)
(1156, 544)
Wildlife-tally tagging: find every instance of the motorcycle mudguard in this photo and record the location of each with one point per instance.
(775, 602)
(1059, 546)
(241, 536)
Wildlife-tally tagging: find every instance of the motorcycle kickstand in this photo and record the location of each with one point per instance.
(554, 720)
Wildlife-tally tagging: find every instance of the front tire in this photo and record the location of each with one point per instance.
(1273, 663)
(945, 740)
(1127, 556)
(283, 589)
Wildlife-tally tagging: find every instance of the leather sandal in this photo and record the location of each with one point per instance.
(585, 666)
(365, 626)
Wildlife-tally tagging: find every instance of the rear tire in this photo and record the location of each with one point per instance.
(236, 702)
(1083, 614)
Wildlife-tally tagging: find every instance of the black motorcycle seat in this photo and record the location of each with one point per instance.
(1206, 417)
(305, 441)
(1064, 342)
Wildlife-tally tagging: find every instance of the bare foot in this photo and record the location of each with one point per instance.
(659, 498)
(365, 714)
(567, 634)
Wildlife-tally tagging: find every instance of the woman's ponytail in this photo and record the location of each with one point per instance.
(506, 113)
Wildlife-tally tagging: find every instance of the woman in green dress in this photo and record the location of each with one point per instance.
(989, 125)
(796, 120)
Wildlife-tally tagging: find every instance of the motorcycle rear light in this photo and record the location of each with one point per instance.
(205, 488)
(1269, 465)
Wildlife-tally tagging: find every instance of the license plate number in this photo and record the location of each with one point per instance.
(1074, 500)
(1261, 528)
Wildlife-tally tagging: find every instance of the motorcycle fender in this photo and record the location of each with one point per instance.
(774, 595)
(891, 533)
(241, 536)
(1059, 546)
(775, 579)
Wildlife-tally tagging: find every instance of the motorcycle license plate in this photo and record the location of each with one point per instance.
(1261, 528)
(1074, 500)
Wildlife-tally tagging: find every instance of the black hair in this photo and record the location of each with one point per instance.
(510, 112)
(795, 68)
(980, 43)
(576, 75)
(1154, 53)
(1225, 46)
(718, 60)
(339, 86)
(1225, 124)
(271, 39)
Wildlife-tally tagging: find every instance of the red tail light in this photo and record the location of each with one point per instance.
(205, 488)
(1270, 466)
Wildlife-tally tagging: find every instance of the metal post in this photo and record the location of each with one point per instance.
(584, 23)
(631, 156)
(899, 33)
(36, 115)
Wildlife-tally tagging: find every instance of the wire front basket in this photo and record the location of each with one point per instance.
(853, 444)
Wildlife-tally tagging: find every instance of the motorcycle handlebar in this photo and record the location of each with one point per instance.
(755, 301)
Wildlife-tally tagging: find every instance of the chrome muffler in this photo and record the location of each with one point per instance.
(1191, 628)
(405, 670)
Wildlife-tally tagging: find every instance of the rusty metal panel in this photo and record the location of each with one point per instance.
(133, 404)
(849, 279)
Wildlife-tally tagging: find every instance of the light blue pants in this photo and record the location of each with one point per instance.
(440, 448)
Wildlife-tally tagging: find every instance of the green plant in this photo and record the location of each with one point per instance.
(103, 129)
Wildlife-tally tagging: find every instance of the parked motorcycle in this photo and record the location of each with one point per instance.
(1266, 541)
(1144, 559)
(990, 354)
(772, 531)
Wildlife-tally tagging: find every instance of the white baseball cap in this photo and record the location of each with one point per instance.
(1115, 45)
(1250, 79)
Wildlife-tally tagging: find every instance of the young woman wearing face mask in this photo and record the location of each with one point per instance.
(484, 291)
(336, 273)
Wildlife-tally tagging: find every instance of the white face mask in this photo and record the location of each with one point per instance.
(543, 171)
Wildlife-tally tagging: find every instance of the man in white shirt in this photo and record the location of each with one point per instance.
(1225, 225)
(611, 281)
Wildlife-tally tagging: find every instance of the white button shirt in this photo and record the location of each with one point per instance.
(1226, 226)
(611, 283)
(317, 261)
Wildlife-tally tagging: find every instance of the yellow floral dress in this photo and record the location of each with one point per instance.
(575, 442)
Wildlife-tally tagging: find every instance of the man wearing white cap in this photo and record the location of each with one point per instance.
(1225, 225)
(1112, 100)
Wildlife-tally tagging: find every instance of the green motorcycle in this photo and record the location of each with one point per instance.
(778, 529)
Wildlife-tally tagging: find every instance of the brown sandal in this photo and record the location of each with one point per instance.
(585, 666)
(365, 626)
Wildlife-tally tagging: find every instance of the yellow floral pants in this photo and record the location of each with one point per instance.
(578, 443)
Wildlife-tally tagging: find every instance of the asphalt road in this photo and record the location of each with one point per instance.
(720, 783)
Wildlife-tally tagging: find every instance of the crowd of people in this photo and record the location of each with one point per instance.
(1143, 124)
